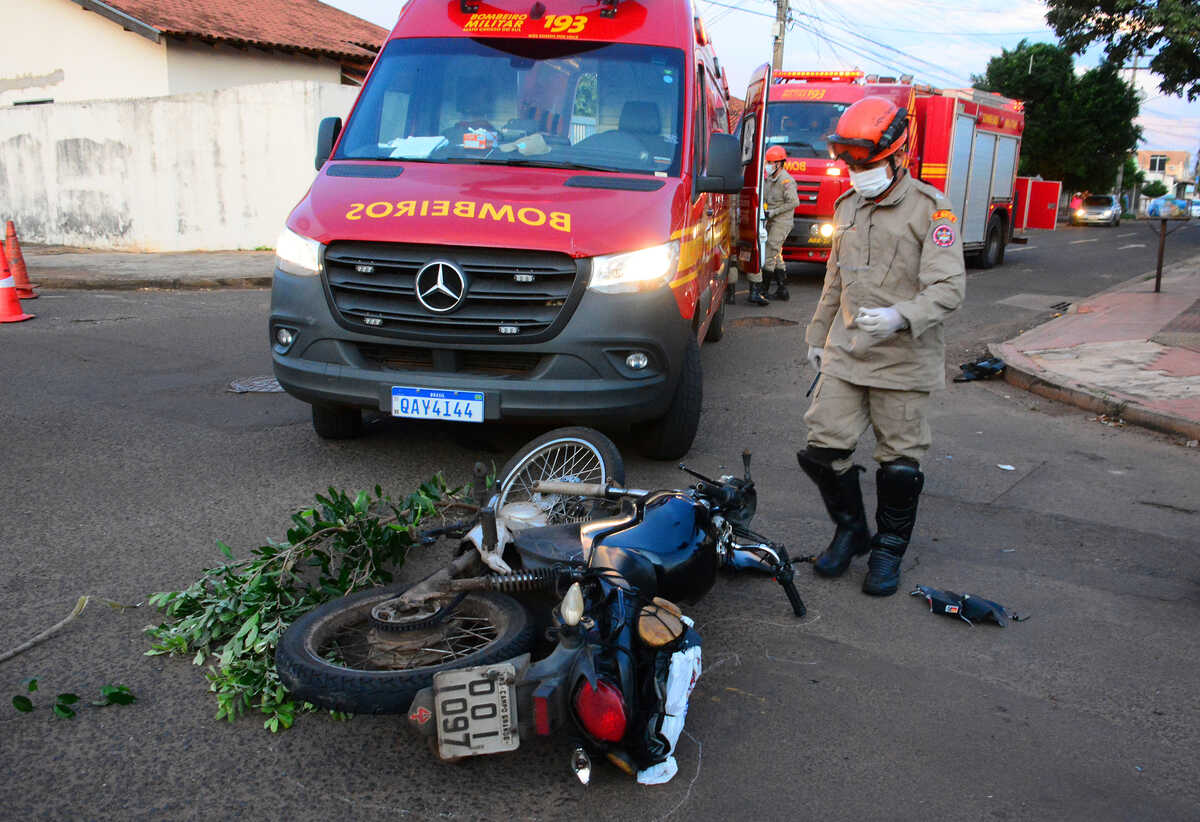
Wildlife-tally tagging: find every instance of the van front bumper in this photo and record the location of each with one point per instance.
(579, 375)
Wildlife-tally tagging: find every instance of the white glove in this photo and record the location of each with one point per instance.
(815, 355)
(880, 323)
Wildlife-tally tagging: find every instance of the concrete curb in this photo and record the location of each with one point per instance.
(157, 283)
(1023, 373)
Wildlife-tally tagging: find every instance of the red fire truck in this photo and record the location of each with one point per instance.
(964, 142)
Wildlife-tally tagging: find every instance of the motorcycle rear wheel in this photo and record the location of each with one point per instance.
(335, 658)
(573, 454)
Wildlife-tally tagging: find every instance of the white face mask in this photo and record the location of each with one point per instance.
(872, 182)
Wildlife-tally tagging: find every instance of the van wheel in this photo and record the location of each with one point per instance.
(336, 422)
(993, 247)
(669, 437)
(716, 328)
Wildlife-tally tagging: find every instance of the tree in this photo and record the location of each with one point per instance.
(1167, 29)
(1077, 129)
(1154, 188)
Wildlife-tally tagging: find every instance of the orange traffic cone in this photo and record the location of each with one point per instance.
(10, 306)
(16, 263)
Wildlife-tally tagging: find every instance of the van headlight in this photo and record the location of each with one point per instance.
(298, 255)
(642, 270)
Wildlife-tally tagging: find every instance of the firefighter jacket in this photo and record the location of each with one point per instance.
(904, 251)
(779, 196)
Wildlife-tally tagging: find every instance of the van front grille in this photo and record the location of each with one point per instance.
(511, 296)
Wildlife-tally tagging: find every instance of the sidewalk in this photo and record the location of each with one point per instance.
(56, 267)
(1126, 352)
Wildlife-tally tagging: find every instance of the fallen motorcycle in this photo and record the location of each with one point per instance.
(558, 615)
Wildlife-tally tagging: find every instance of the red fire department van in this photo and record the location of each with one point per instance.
(962, 141)
(525, 217)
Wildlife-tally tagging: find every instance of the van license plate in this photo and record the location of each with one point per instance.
(476, 710)
(431, 404)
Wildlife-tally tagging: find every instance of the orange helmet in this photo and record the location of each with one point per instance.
(871, 129)
(776, 154)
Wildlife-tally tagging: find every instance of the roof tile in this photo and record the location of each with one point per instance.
(305, 25)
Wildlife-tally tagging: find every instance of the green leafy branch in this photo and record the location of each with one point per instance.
(233, 616)
(65, 704)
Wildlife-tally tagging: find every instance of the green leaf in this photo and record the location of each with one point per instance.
(225, 549)
(31, 683)
(63, 712)
(22, 704)
(67, 699)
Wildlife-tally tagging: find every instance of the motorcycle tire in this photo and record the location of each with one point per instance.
(363, 679)
(574, 454)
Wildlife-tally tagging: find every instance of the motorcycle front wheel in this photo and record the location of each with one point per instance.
(338, 657)
(574, 454)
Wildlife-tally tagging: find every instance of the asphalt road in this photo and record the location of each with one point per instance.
(124, 457)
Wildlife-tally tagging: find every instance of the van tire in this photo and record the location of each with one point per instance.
(670, 436)
(993, 245)
(336, 422)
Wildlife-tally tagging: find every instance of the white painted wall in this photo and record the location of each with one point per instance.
(55, 49)
(209, 170)
(196, 66)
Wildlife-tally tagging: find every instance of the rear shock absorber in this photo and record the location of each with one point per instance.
(537, 579)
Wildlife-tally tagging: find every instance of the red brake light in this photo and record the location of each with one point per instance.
(601, 710)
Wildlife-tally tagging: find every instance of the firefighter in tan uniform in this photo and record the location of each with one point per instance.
(895, 271)
(780, 200)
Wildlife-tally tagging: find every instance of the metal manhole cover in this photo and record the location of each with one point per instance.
(264, 385)
(760, 322)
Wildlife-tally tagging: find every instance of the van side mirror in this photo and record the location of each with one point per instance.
(327, 134)
(724, 172)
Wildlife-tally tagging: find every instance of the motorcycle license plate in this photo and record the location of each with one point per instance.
(429, 404)
(476, 710)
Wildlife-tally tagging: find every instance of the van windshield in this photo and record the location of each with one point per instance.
(801, 128)
(605, 106)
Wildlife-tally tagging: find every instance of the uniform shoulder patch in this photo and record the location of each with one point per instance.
(944, 214)
(943, 236)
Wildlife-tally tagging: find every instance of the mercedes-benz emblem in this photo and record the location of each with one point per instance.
(441, 286)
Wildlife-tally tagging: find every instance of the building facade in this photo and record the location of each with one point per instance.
(76, 50)
(1173, 169)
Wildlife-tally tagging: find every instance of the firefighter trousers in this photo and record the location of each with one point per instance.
(778, 229)
(842, 411)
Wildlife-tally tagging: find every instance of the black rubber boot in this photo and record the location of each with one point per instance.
(730, 294)
(898, 487)
(757, 297)
(842, 496)
(781, 292)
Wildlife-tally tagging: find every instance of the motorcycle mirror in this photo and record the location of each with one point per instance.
(746, 463)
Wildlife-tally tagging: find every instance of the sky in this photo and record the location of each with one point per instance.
(939, 43)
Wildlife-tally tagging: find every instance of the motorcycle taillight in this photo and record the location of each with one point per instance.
(601, 710)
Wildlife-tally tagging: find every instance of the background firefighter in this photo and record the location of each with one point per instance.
(779, 202)
(895, 271)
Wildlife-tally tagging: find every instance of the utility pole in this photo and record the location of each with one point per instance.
(1121, 168)
(781, 15)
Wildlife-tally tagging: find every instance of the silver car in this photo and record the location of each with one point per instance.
(1097, 209)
